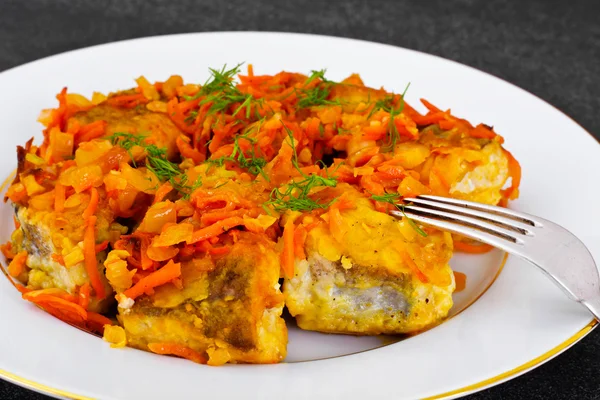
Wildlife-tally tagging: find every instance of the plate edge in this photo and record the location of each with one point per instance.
(521, 369)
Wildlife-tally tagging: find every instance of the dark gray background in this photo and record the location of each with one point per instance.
(550, 48)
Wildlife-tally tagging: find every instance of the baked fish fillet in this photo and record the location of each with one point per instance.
(229, 308)
(380, 277)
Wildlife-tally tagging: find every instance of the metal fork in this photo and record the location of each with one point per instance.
(550, 247)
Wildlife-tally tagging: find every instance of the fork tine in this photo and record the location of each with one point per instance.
(469, 222)
(505, 212)
(463, 230)
(508, 223)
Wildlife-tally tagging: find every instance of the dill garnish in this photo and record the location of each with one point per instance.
(318, 95)
(220, 91)
(127, 141)
(386, 104)
(156, 162)
(251, 162)
(392, 198)
(295, 197)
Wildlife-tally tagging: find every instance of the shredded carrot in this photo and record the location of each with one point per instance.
(90, 131)
(414, 267)
(472, 248)
(336, 223)
(299, 241)
(58, 258)
(216, 229)
(22, 289)
(482, 131)
(18, 264)
(16, 222)
(218, 251)
(84, 295)
(212, 217)
(93, 204)
(55, 292)
(178, 350)
(6, 249)
(62, 309)
(127, 101)
(89, 252)
(287, 255)
(161, 276)
(96, 322)
(161, 192)
(102, 246)
(188, 151)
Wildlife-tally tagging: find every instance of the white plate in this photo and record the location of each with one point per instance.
(520, 322)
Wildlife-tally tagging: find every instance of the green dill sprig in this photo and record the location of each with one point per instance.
(182, 185)
(317, 96)
(386, 104)
(220, 91)
(127, 141)
(295, 197)
(393, 198)
(251, 161)
(156, 161)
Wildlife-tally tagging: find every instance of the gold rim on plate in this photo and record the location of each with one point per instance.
(27, 383)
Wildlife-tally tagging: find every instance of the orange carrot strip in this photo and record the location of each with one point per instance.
(344, 203)
(414, 267)
(336, 223)
(177, 350)
(59, 198)
(62, 309)
(84, 295)
(127, 101)
(216, 229)
(218, 251)
(161, 276)
(212, 217)
(299, 241)
(6, 249)
(90, 131)
(16, 222)
(21, 288)
(188, 151)
(101, 246)
(162, 191)
(95, 322)
(482, 131)
(17, 265)
(93, 204)
(287, 255)
(472, 248)
(430, 106)
(54, 292)
(58, 258)
(89, 252)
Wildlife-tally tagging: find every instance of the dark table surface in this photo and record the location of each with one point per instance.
(550, 48)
